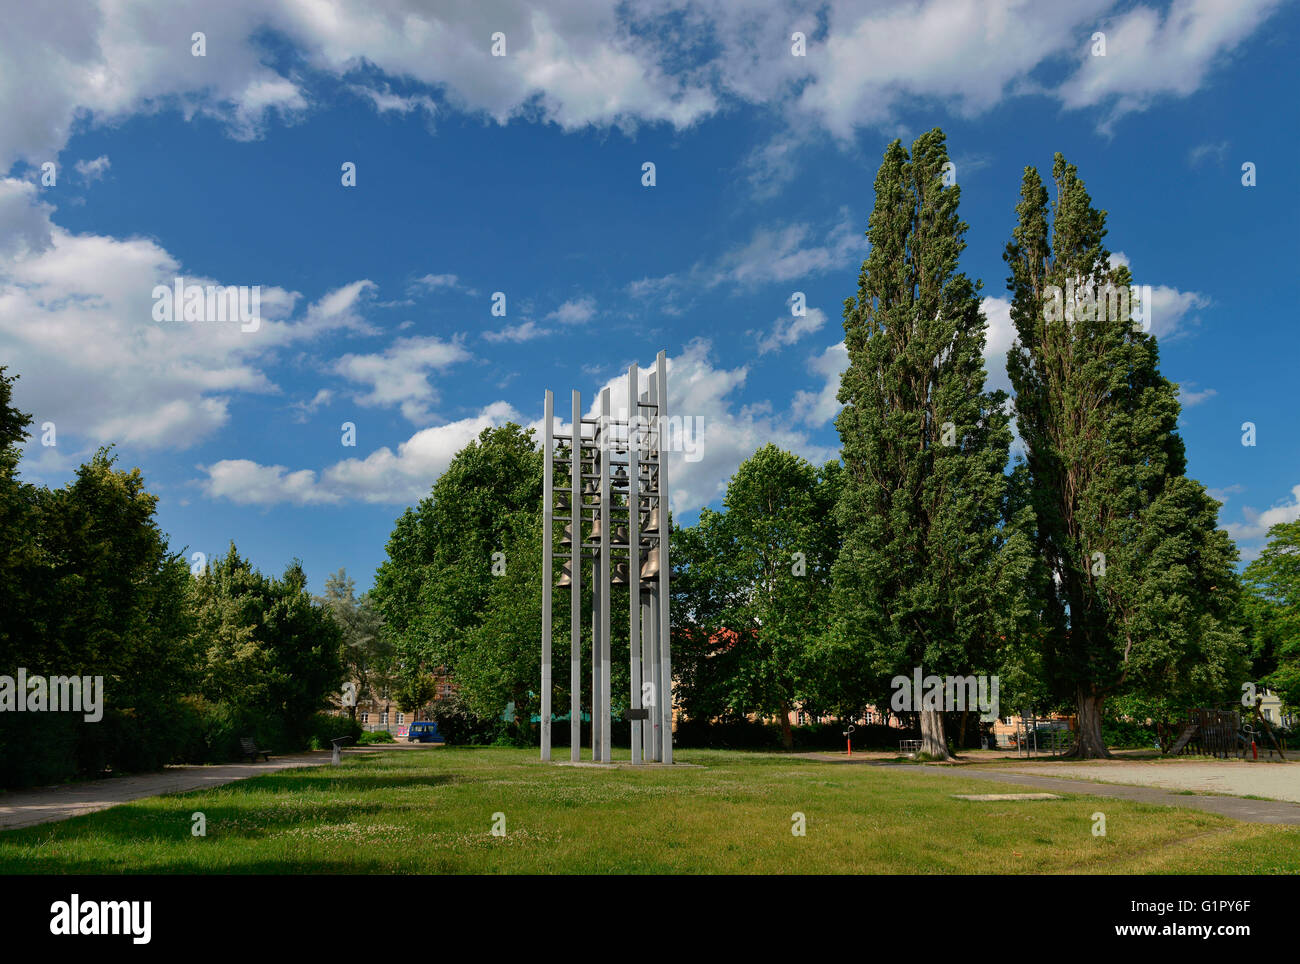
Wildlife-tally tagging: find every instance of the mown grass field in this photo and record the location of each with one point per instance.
(431, 811)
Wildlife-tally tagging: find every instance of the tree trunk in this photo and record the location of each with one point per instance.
(933, 742)
(1088, 742)
(787, 737)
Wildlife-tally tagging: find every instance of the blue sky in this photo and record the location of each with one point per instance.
(522, 174)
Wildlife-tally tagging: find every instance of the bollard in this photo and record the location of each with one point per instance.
(335, 758)
(848, 735)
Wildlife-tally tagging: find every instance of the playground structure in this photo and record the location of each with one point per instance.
(1042, 737)
(1223, 733)
(607, 481)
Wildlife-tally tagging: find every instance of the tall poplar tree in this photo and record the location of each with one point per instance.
(925, 447)
(1142, 584)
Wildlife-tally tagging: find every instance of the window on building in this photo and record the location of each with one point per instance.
(401, 717)
(365, 717)
(383, 718)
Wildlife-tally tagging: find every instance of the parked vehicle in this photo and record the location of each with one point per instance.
(424, 731)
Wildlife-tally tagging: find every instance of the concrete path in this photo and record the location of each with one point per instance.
(26, 808)
(1277, 781)
(1249, 811)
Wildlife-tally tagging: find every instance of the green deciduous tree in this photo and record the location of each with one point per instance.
(1142, 588)
(924, 446)
(367, 651)
(1273, 609)
(755, 581)
(441, 604)
(267, 646)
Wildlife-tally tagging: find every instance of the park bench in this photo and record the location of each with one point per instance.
(908, 747)
(249, 749)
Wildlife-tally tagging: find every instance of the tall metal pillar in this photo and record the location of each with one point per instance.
(575, 590)
(647, 670)
(653, 444)
(634, 557)
(548, 534)
(600, 587)
(665, 699)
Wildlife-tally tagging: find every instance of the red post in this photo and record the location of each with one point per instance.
(850, 746)
(1254, 750)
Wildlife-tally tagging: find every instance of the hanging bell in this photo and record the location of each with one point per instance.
(562, 499)
(618, 576)
(566, 574)
(591, 488)
(595, 529)
(567, 538)
(650, 521)
(619, 538)
(650, 568)
(620, 476)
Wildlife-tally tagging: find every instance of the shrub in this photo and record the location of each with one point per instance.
(378, 736)
(1127, 734)
(460, 727)
(324, 727)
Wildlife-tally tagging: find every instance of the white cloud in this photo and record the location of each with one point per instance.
(1149, 56)
(1251, 533)
(526, 331)
(93, 170)
(602, 63)
(247, 483)
(309, 408)
(728, 434)
(76, 321)
(818, 408)
(1188, 398)
(400, 375)
(432, 282)
(383, 477)
(788, 329)
(575, 311)
(1209, 149)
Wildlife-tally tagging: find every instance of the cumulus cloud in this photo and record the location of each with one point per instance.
(1150, 55)
(721, 433)
(76, 319)
(93, 170)
(385, 476)
(526, 331)
(581, 63)
(788, 329)
(1251, 533)
(575, 311)
(400, 374)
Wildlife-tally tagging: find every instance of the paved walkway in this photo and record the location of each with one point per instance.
(1277, 781)
(1238, 808)
(26, 808)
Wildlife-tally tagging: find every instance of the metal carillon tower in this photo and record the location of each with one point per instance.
(607, 483)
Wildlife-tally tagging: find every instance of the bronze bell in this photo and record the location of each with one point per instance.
(595, 529)
(567, 538)
(650, 568)
(562, 499)
(619, 536)
(620, 476)
(650, 521)
(618, 577)
(566, 574)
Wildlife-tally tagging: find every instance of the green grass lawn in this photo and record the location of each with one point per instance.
(431, 811)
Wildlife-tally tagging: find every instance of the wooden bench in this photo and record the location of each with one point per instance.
(249, 749)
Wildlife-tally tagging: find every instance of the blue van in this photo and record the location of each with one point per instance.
(424, 731)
